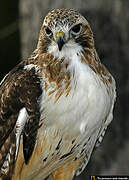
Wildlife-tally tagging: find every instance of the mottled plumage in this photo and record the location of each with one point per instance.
(56, 105)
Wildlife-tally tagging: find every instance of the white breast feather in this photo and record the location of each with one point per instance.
(87, 105)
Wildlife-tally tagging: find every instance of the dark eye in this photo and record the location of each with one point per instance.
(76, 29)
(48, 31)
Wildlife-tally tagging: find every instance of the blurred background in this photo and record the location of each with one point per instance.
(20, 22)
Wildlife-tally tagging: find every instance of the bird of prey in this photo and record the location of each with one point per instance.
(55, 105)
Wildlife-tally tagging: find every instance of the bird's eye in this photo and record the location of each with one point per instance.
(48, 31)
(76, 29)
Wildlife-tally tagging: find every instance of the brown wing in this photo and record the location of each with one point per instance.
(21, 88)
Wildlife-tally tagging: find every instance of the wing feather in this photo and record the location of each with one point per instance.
(20, 89)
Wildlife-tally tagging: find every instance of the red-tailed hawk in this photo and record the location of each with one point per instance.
(56, 105)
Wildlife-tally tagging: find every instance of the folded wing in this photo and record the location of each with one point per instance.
(19, 115)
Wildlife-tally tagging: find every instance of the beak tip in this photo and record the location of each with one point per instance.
(60, 42)
(60, 47)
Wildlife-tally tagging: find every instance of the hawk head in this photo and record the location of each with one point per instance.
(64, 30)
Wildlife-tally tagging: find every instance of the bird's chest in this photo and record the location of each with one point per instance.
(78, 103)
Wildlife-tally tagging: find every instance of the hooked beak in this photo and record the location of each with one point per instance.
(60, 39)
